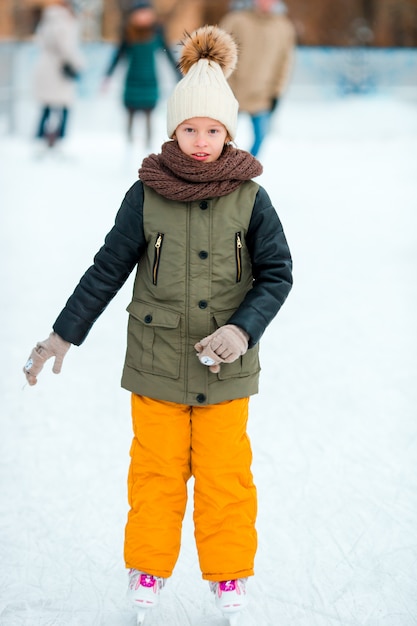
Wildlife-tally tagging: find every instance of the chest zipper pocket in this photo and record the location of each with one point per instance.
(238, 253)
(157, 257)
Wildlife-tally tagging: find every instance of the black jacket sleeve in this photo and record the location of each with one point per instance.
(271, 268)
(123, 247)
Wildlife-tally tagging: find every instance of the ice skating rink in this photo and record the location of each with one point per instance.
(334, 429)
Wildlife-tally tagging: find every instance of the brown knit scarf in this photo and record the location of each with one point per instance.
(176, 176)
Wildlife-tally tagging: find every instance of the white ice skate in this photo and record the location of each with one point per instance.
(230, 598)
(143, 592)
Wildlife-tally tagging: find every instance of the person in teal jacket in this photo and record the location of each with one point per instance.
(141, 40)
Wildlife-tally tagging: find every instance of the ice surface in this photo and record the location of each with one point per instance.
(334, 429)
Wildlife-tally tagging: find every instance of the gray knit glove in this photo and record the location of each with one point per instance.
(225, 345)
(54, 346)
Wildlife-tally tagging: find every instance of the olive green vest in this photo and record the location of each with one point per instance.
(193, 276)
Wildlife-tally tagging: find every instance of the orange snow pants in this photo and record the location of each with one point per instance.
(171, 443)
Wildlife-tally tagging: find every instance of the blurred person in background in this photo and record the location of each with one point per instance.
(141, 39)
(266, 39)
(179, 17)
(58, 66)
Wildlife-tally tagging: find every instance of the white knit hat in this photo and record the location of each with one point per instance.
(208, 58)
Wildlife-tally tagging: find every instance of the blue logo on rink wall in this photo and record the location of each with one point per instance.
(354, 70)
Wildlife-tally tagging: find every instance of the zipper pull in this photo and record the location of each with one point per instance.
(158, 241)
(238, 241)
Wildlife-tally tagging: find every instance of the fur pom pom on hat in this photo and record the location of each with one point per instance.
(208, 57)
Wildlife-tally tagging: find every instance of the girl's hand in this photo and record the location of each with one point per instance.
(54, 346)
(225, 345)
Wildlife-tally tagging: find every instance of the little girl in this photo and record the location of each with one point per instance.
(212, 270)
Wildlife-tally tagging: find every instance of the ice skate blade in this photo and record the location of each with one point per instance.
(140, 616)
(141, 613)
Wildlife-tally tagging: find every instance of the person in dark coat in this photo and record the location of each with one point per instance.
(142, 38)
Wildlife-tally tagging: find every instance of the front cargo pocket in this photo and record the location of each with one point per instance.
(154, 339)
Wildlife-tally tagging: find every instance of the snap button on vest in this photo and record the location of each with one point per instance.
(203, 205)
(203, 304)
(147, 319)
(200, 398)
(203, 254)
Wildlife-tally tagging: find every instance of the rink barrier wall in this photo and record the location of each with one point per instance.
(319, 72)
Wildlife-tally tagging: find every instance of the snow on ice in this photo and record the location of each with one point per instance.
(334, 429)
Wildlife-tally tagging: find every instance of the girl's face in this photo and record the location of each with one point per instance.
(202, 138)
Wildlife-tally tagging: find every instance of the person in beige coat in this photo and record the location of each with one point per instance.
(58, 65)
(266, 39)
